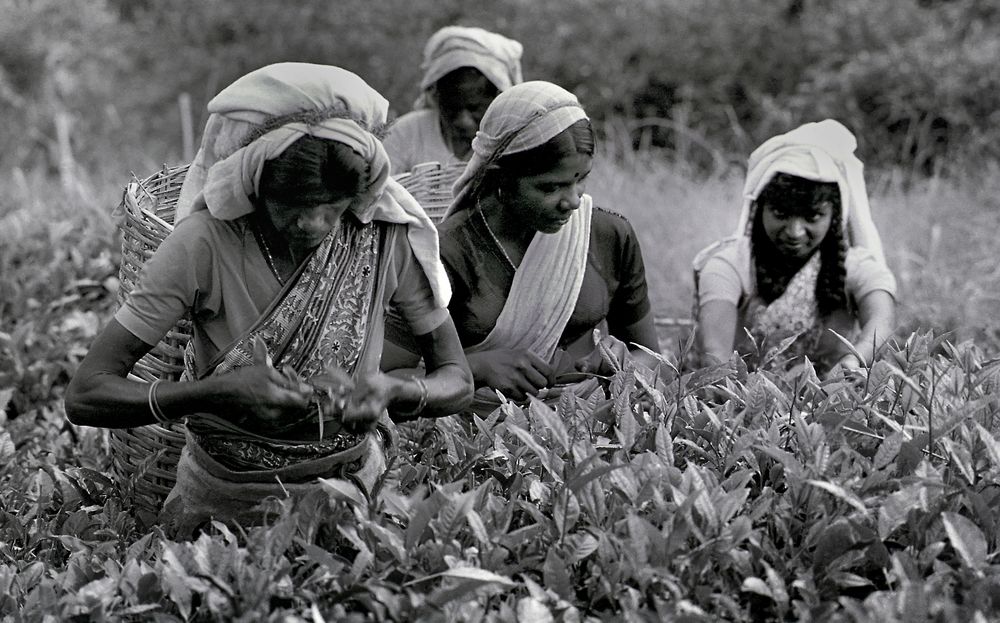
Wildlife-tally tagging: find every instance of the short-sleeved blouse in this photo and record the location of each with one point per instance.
(414, 138)
(216, 270)
(727, 274)
(614, 283)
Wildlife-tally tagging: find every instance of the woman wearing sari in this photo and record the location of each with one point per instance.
(535, 267)
(293, 242)
(806, 259)
(464, 69)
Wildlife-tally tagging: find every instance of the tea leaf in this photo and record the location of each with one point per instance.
(966, 538)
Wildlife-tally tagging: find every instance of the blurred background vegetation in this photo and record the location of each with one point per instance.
(916, 80)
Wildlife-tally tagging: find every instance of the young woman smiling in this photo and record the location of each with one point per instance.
(806, 259)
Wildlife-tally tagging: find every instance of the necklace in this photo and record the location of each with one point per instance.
(267, 253)
(496, 240)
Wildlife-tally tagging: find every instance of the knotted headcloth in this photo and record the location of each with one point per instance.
(822, 152)
(256, 118)
(525, 116)
(453, 47)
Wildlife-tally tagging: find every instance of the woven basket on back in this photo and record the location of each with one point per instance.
(430, 184)
(149, 454)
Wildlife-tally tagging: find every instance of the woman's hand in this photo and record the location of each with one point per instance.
(366, 399)
(516, 373)
(597, 363)
(264, 393)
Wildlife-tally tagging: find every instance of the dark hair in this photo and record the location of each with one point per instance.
(576, 139)
(451, 81)
(315, 167)
(798, 195)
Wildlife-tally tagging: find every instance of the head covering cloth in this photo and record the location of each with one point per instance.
(257, 117)
(524, 117)
(453, 47)
(822, 152)
(547, 283)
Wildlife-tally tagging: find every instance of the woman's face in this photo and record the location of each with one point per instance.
(462, 101)
(796, 234)
(305, 221)
(544, 202)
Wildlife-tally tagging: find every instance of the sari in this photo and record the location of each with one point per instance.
(822, 152)
(328, 314)
(547, 282)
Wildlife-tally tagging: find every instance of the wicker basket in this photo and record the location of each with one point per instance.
(430, 184)
(148, 455)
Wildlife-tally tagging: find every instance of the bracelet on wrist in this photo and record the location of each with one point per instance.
(154, 405)
(421, 403)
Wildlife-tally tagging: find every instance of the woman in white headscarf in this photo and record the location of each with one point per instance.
(805, 260)
(464, 69)
(535, 267)
(294, 240)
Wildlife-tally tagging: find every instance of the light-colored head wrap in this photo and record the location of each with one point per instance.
(256, 118)
(525, 116)
(495, 56)
(822, 152)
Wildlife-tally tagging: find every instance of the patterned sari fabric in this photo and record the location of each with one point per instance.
(795, 312)
(319, 321)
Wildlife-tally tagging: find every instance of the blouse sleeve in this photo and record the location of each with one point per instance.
(719, 280)
(866, 274)
(630, 302)
(413, 299)
(170, 283)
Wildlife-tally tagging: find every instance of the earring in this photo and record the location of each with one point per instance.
(499, 195)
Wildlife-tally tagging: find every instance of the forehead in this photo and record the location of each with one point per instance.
(568, 167)
(465, 85)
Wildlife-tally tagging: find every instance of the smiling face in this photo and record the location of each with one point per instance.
(545, 202)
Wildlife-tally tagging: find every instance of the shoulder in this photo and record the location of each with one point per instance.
(455, 235)
(201, 232)
(611, 228)
(414, 122)
(732, 252)
(724, 265)
(866, 273)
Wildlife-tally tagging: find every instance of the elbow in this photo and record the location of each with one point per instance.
(468, 390)
(75, 411)
(79, 403)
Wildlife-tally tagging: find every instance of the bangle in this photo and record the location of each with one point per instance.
(154, 406)
(420, 403)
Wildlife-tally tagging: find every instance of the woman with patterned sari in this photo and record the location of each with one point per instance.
(806, 260)
(535, 267)
(292, 241)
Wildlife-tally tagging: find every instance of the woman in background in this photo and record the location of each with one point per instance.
(464, 69)
(295, 240)
(806, 259)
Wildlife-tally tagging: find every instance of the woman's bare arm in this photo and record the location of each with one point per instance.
(716, 331)
(100, 393)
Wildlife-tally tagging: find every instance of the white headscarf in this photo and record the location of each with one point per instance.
(315, 100)
(822, 152)
(524, 117)
(547, 283)
(495, 56)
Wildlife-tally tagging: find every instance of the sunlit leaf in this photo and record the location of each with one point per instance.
(966, 538)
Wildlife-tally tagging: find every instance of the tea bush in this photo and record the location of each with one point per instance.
(720, 493)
